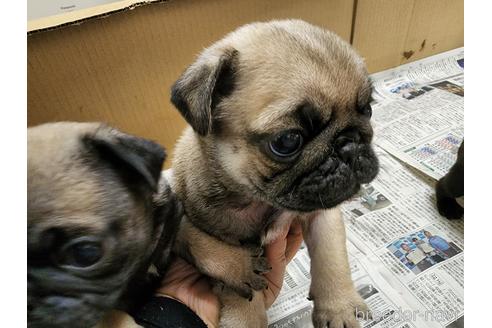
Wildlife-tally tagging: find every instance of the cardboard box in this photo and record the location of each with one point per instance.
(119, 68)
(115, 62)
(389, 33)
(51, 14)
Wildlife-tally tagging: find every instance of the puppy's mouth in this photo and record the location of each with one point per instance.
(335, 180)
(58, 299)
(59, 311)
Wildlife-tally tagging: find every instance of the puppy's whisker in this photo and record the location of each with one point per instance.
(321, 200)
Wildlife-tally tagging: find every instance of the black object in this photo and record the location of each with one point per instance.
(164, 312)
(450, 187)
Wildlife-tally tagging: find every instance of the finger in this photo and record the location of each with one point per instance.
(178, 272)
(275, 251)
(294, 241)
(295, 229)
(292, 248)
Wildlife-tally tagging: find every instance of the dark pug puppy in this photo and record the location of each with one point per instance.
(452, 186)
(279, 115)
(97, 217)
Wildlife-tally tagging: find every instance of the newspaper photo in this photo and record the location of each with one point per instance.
(407, 261)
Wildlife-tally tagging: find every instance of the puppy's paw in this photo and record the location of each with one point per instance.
(249, 279)
(260, 265)
(449, 208)
(447, 204)
(238, 312)
(340, 312)
(256, 279)
(253, 279)
(254, 249)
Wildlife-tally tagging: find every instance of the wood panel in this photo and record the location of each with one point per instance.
(389, 33)
(119, 69)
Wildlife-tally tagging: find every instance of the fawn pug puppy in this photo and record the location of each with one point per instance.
(97, 216)
(279, 131)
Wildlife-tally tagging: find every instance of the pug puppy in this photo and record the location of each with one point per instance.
(97, 217)
(452, 186)
(279, 116)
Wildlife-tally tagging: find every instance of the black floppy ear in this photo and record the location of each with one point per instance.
(199, 89)
(136, 159)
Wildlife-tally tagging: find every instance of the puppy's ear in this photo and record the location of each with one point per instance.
(199, 89)
(135, 159)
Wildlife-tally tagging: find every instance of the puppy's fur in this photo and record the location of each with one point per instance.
(97, 217)
(240, 95)
(452, 186)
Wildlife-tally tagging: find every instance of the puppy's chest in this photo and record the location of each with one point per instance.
(278, 225)
(263, 223)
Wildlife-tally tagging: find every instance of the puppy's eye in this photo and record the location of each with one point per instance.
(286, 143)
(82, 253)
(366, 110)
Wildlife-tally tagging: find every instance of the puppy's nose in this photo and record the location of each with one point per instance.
(346, 144)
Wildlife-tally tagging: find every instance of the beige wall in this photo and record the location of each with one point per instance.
(119, 69)
(389, 33)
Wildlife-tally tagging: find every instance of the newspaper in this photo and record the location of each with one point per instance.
(418, 111)
(407, 261)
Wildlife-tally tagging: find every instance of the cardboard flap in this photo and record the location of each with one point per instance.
(42, 16)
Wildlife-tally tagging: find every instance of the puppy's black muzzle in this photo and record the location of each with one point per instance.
(349, 163)
(346, 145)
(58, 299)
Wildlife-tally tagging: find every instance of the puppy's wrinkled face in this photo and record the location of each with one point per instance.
(91, 222)
(287, 108)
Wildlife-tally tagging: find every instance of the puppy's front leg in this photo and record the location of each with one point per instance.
(239, 268)
(332, 290)
(237, 311)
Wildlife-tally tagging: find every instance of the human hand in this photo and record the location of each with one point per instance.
(185, 284)
(279, 253)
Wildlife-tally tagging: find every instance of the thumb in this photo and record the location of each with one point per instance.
(275, 251)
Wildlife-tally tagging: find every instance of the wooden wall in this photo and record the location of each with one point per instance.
(389, 33)
(118, 69)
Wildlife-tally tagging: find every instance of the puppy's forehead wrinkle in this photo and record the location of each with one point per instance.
(271, 117)
(278, 95)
